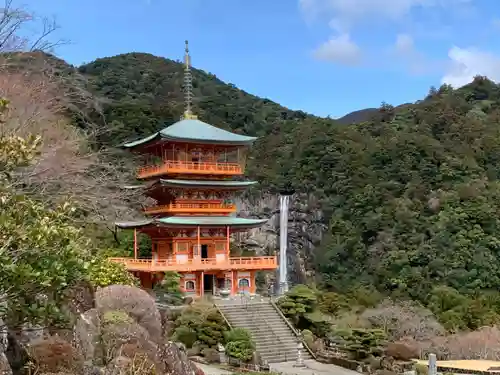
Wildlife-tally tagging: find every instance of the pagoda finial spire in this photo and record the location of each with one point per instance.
(188, 86)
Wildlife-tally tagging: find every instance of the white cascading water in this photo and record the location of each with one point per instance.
(283, 271)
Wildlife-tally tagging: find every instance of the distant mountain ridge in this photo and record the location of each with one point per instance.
(354, 117)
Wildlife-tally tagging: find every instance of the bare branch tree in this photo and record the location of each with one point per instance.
(68, 166)
(15, 22)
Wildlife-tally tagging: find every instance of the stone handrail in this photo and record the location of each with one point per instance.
(297, 333)
(223, 316)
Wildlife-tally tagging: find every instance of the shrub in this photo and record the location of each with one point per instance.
(103, 272)
(350, 320)
(332, 303)
(211, 355)
(458, 312)
(239, 344)
(200, 323)
(298, 301)
(365, 296)
(402, 351)
(168, 290)
(53, 354)
(360, 343)
(186, 335)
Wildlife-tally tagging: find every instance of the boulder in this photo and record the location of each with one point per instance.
(5, 368)
(174, 361)
(118, 329)
(87, 335)
(118, 366)
(135, 302)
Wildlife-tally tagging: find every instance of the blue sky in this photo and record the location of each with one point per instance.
(327, 57)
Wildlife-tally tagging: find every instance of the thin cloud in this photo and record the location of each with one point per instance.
(339, 49)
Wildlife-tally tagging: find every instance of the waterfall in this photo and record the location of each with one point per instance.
(283, 271)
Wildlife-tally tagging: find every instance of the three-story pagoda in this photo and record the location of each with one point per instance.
(191, 223)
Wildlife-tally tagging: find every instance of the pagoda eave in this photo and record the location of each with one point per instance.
(176, 222)
(199, 184)
(183, 131)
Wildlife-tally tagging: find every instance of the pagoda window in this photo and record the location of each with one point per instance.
(196, 155)
(189, 286)
(196, 250)
(182, 247)
(244, 283)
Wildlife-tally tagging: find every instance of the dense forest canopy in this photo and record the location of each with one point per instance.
(411, 196)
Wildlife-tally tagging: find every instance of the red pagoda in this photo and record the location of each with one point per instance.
(192, 182)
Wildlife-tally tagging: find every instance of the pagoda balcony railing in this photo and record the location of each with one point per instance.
(195, 208)
(189, 265)
(183, 167)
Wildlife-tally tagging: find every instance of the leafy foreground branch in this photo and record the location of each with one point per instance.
(42, 252)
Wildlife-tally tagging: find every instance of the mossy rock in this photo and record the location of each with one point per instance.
(117, 317)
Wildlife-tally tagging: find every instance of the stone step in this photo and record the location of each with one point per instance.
(259, 324)
(274, 333)
(259, 327)
(251, 312)
(262, 335)
(278, 348)
(273, 317)
(290, 356)
(275, 340)
(244, 305)
(283, 357)
(260, 318)
(279, 358)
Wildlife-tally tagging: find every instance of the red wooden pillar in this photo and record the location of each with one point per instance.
(198, 244)
(202, 283)
(234, 282)
(227, 243)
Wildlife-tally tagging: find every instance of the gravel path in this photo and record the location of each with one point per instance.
(312, 367)
(212, 370)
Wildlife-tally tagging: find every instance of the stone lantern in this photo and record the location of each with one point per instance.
(300, 360)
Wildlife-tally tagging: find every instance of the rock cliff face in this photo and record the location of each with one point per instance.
(306, 227)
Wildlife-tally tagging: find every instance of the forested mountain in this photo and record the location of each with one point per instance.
(411, 195)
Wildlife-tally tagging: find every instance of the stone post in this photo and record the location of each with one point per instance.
(300, 360)
(432, 364)
(222, 354)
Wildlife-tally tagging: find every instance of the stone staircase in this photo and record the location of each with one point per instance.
(275, 340)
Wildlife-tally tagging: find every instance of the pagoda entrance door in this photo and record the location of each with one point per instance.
(204, 251)
(208, 283)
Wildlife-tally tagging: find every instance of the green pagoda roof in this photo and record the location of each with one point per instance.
(207, 183)
(193, 130)
(190, 221)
